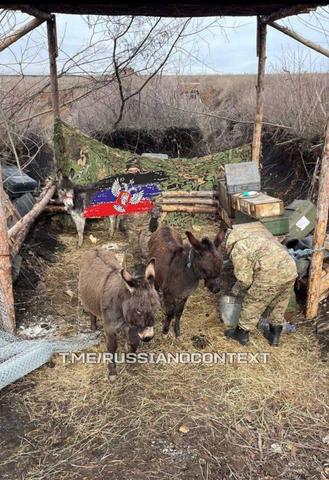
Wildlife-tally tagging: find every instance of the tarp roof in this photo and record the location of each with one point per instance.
(177, 8)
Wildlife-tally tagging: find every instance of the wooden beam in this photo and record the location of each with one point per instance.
(7, 41)
(299, 38)
(261, 52)
(7, 311)
(286, 12)
(53, 53)
(35, 12)
(319, 237)
(188, 209)
(18, 232)
(187, 201)
(192, 194)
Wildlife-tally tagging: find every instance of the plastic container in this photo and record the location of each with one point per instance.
(15, 183)
(301, 215)
(229, 308)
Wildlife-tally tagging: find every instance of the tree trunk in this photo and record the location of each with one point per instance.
(19, 231)
(319, 236)
(7, 311)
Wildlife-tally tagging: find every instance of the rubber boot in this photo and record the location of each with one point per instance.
(273, 334)
(238, 334)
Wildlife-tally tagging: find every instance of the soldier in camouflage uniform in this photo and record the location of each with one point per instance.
(267, 273)
(139, 227)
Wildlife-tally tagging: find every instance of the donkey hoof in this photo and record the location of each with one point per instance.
(111, 378)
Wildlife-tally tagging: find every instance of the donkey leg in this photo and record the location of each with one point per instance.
(112, 344)
(178, 313)
(93, 322)
(80, 222)
(113, 225)
(169, 307)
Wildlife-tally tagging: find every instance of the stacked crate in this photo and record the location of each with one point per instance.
(238, 206)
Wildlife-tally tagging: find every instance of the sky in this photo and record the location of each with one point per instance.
(224, 49)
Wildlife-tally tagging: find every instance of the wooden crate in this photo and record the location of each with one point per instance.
(261, 206)
(235, 200)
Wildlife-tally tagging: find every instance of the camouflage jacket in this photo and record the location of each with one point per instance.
(259, 259)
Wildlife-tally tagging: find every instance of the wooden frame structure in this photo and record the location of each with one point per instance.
(267, 14)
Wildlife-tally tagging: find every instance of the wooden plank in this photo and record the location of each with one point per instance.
(319, 236)
(256, 141)
(189, 209)
(193, 194)
(187, 200)
(35, 12)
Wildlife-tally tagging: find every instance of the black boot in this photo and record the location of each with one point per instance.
(238, 334)
(273, 334)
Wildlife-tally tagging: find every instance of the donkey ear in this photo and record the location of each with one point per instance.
(193, 241)
(219, 238)
(129, 280)
(150, 271)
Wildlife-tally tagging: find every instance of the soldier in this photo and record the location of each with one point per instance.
(267, 273)
(139, 226)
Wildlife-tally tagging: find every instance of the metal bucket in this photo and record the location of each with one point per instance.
(229, 308)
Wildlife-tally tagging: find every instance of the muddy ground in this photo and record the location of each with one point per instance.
(190, 422)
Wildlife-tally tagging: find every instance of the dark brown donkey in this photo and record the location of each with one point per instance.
(110, 293)
(179, 267)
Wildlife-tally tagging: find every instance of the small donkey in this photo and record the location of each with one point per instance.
(76, 198)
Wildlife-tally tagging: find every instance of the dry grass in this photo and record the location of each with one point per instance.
(68, 422)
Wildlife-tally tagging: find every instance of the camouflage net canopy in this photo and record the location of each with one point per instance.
(92, 161)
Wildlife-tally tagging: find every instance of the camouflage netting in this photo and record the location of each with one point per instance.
(92, 160)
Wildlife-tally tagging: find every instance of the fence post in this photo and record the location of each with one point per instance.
(313, 294)
(7, 310)
(261, 53)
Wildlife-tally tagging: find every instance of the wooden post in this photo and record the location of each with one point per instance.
(261, 52)
(7, 311)
(6, 42)
(319, 236)
(53, 53)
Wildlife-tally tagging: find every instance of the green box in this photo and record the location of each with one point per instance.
(278, 225)
(301, 215)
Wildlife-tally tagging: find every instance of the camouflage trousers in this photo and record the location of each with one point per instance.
(138, 237)
(272, 298)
